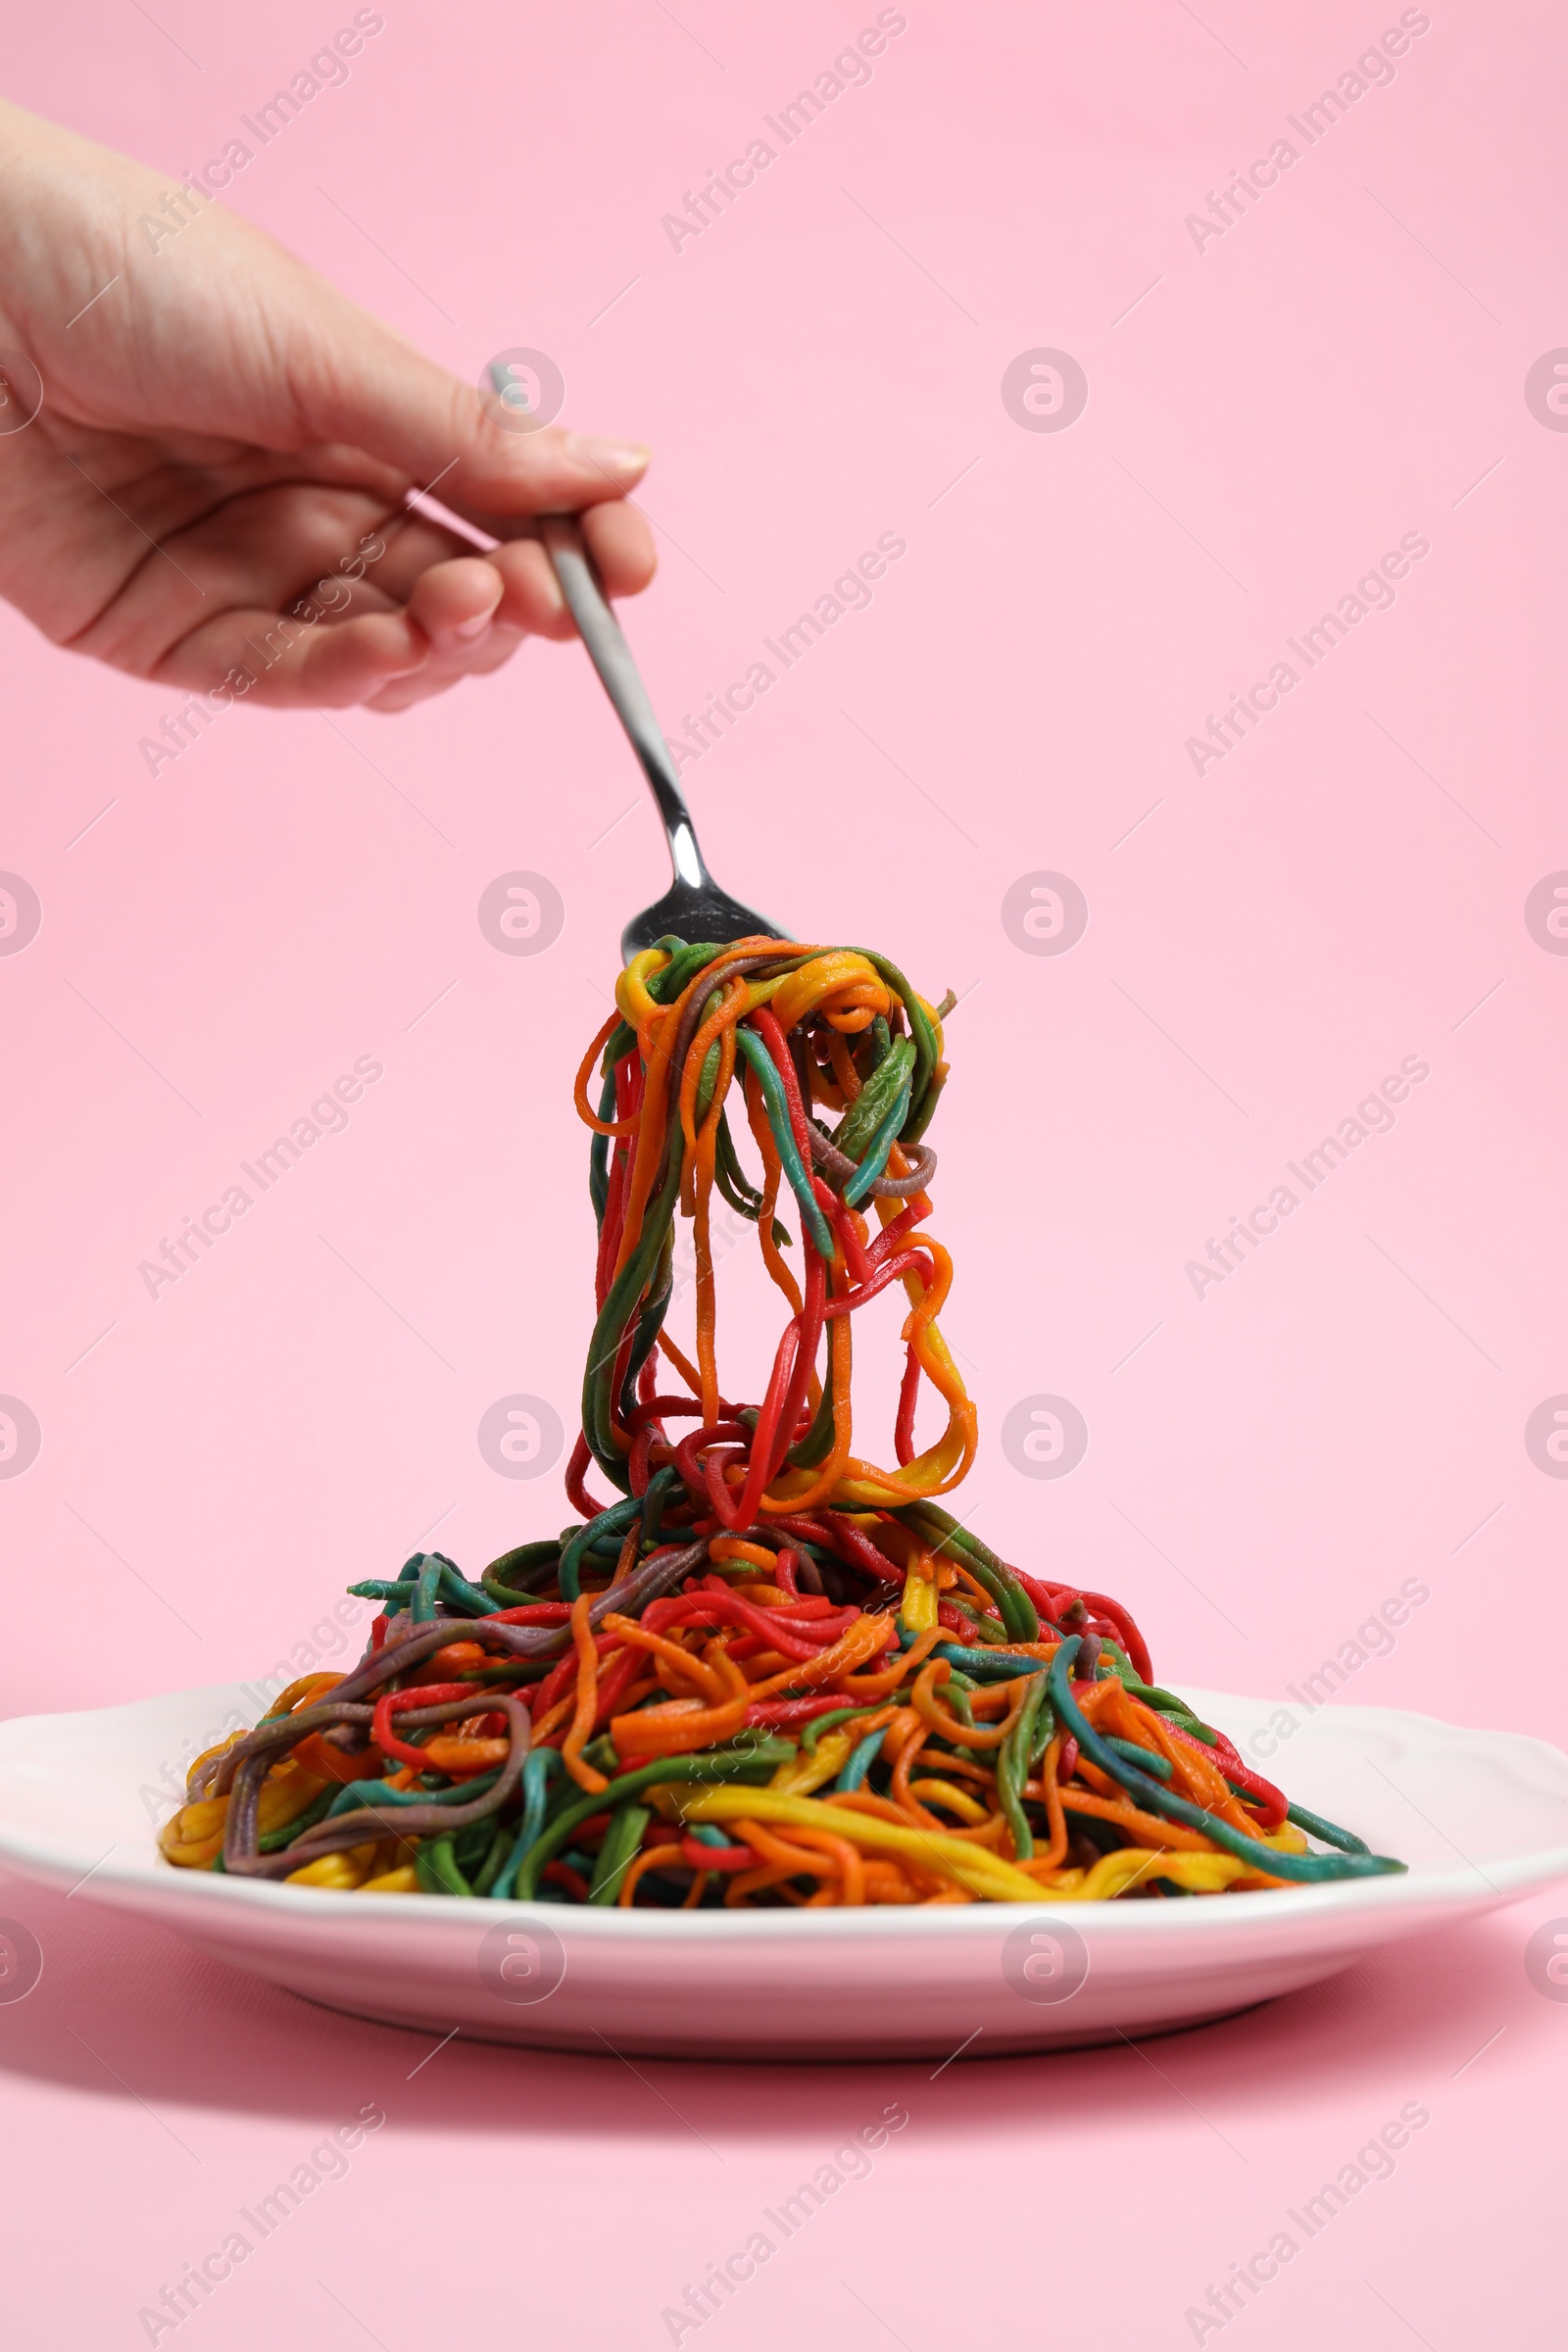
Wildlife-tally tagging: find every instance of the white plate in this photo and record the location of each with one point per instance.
(1481, 1817)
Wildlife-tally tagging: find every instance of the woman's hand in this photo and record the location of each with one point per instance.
(213, 487)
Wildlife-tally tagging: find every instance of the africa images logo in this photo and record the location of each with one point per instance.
(21, 914)
(1045, 390)
(522, 1437)
(21, 1437)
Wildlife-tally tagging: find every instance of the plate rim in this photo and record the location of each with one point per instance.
(1488, 1885)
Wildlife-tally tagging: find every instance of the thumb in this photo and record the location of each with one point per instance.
(490, 461)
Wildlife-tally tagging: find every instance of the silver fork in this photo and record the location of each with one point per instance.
(694, 908)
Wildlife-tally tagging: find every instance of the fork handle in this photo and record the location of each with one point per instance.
(612, 657)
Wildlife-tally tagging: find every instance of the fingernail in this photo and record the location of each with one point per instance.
(468, 630)
(611, 457)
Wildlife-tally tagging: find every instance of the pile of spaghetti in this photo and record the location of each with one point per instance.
(768, 1671)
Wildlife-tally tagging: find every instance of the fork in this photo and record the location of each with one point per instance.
(694, 908)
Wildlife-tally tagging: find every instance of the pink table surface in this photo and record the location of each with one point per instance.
(1271, 409)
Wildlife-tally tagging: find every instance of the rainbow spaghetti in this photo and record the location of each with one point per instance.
(770, 1671)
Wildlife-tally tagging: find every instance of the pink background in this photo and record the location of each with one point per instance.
(1345, 366)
